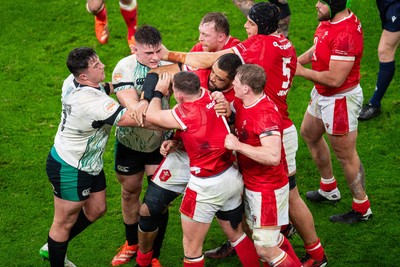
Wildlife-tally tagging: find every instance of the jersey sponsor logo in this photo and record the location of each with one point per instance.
(282, 47)
(123, 168)
(110, 106)
(210, 105)
(86, 192)
(165, 175)
(140, 81)
(117, 76)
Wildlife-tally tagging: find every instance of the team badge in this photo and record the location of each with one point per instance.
(165, 175)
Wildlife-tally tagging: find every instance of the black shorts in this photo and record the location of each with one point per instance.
(128, 161)
(389, 12)
(72, 184)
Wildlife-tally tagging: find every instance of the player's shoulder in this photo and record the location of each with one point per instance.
(127, 62)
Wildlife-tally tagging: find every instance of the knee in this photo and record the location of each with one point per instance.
(94, 7)
(96, 213)
(144, 210)
(131, 194)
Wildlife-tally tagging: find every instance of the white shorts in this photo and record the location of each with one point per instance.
(290, 144)
(339, 112)
(270, 208)
(173, 173)
(205, 196)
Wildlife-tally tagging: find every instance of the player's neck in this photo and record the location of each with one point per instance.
(341, 15)
(250, 100)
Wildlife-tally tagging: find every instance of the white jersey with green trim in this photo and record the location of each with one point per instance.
(130, 74)
(79, 142)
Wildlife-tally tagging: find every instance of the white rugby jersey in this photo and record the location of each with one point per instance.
(129, 72)
(78, 141)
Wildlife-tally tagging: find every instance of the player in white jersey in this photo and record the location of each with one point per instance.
(75, 164)
(137, 149)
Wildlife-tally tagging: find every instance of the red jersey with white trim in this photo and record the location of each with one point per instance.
(205, 73)
(251, 124)
(203, 135)
(342, 41)
(276, 54)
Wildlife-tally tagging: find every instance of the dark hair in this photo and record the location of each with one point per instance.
(78, 59)
(187, 82)
(335, 6)
(252, 75)
(266, 16)
(229, 63)
(220, 21)
(148, 35)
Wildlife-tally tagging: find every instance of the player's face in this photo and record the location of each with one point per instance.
(147, 55)
(218, 79)
(94, 74)
(323, 11)
(250, 27)
(209, 38)
(238, 87)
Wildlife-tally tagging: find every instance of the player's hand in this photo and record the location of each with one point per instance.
(231, 142)
(167, 146)
(139, 112)
(222, 106)
(163, 83)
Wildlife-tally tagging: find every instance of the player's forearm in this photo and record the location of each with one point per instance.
(260, 154)
(305, 58)
(202, 60)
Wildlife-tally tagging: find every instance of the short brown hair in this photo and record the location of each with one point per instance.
(253, 76)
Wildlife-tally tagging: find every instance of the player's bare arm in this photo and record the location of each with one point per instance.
(202, 60)
(334, 77)
(306, 57)
(269, 153)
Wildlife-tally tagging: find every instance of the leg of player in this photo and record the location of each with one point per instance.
(386, 53)
(312, 131)
(244, 5)
(193, 238)
(230, 222)
(129, 12)
(130, 203)
(98, 9)
(303, 221)
(344, 147)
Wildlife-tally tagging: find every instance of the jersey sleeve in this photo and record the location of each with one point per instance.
(122, 78)
(97, 105)
(269, 123)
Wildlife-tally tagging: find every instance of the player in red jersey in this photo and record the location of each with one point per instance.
(172, 176)
(261, 160)
(212, 167)
(128, 10)
(277, 56)
(214, 35)
(336, 101)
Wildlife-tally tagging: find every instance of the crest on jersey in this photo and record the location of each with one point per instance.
(165, 175)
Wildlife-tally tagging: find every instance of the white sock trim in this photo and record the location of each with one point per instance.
(129, 7)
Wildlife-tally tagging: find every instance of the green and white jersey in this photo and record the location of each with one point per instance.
(129, 74)
(82, 135)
